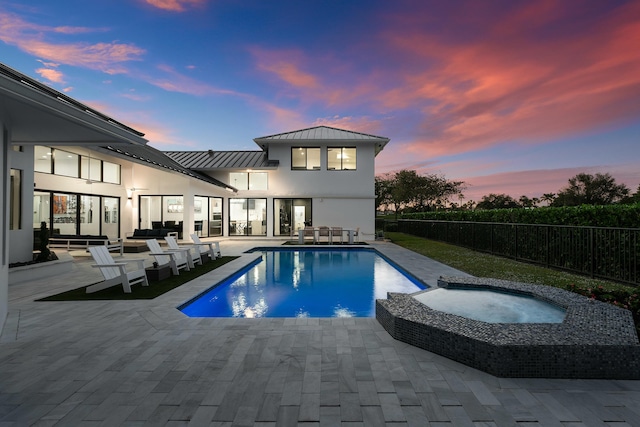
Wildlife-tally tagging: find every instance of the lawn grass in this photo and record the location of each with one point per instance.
(154, 289)
(481, 264)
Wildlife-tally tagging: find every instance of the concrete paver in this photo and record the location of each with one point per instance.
(144, 363)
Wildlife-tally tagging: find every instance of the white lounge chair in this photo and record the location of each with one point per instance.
(193, 254)
(115, 273)
(177, 260)
(211, 248)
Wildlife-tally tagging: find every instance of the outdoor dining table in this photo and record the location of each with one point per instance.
(316, 234)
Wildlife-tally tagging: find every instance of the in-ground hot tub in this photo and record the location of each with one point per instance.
(595, 339)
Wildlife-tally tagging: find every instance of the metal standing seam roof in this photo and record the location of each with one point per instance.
(204, 160)
(323, 133)
(149, 156)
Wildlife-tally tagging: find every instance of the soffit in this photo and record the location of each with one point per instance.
(37, 114)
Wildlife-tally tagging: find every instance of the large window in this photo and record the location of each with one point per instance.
(60, 162)
(291, 215)
(68, 213)
(303, 158)
(42, 159)
(15, 209)
(247, 217)
(341, 158)
(249, 180)
(91, 168)
(65, 163)
(111, 173)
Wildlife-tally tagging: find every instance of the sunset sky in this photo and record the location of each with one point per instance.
(511, 97)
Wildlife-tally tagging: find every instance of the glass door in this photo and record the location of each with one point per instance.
(90, 215)
(215, 221)
(110, 217)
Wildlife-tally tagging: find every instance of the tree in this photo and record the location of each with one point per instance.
(383, 187)
(587, 189)
(497, 201)
(548, 197)
(526, 202)
(407, 189)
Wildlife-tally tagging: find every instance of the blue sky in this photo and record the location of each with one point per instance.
(510, 97)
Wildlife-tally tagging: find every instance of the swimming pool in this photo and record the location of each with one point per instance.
(305, 283)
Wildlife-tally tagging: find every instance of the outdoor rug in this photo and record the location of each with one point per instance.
(154, 289)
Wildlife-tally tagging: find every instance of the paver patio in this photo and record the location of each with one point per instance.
(144, 363)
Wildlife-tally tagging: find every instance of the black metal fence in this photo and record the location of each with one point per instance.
(602, 252)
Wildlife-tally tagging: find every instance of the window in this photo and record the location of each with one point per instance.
(341, 158)
(303, 158)
(90, 169)
(249, 180)
(110, 173)
(15, 195)
(42, 159)
(58, 162)
(258, 180)
(65, 163)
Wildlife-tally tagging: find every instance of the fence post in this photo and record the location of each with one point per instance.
(592, 252)
(516, 241)
(546, 244)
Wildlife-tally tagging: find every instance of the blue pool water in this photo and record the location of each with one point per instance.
(305, 283)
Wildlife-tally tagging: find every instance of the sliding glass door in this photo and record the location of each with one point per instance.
(247, 217)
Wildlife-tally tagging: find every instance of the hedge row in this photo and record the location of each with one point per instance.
(625, 216)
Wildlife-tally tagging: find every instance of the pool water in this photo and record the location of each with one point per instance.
(492, 306)
(305, 283)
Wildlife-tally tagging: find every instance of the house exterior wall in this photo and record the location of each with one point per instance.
(4, 228)
(21, 240)
(344, 198)
(147, 181)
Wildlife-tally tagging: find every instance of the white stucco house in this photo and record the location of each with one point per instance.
(84, 173)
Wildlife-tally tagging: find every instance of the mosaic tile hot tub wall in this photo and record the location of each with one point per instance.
(595, 340)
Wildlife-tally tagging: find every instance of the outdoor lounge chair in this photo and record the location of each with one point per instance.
(193, 254)
(177, 259)
(115, 273)
(211, 248)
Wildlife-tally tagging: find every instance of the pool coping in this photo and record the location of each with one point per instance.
(595, 340)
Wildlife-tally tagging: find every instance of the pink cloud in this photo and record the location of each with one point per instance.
(508, 85)
(175, 5)
(177, 82)
(30, 38)
(50, 74)
(295, 70)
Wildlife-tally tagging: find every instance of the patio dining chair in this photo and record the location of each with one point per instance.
(177, 260)
(115, 273)
(335, 233)
(193, 254)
